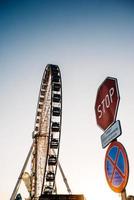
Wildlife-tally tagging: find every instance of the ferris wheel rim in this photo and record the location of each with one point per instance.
(51, 72)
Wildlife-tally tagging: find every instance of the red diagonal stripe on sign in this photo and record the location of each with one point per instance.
(115, 166)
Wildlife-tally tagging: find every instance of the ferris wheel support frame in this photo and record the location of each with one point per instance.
(16, 188)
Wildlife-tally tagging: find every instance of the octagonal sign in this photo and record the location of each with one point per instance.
(107, 101)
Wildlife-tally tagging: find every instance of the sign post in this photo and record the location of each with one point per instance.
(124, 195)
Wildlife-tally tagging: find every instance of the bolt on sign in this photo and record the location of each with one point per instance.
(107, 101)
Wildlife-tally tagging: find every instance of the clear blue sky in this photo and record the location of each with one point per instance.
(89, 40)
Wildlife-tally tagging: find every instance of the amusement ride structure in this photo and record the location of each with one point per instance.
(44, 151)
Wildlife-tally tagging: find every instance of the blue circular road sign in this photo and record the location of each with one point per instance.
(116, 167)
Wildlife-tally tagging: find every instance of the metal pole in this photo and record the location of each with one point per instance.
(124, 195)
(20, 176)
(63, 176)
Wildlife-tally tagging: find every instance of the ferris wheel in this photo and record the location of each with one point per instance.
(47, 133)
(46, 138)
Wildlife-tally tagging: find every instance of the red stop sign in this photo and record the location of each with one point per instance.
(107, 102)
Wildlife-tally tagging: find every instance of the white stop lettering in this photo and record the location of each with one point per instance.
(106, 102)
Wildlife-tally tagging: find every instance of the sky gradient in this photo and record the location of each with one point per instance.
(89, 40)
